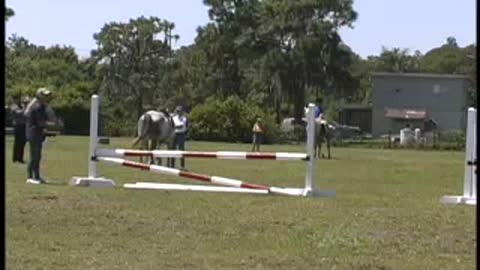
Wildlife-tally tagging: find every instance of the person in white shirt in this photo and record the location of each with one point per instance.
(180, 122)
(258, 131)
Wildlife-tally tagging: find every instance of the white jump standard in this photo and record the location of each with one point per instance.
(113, 156)
(93, 180)
(470, 178)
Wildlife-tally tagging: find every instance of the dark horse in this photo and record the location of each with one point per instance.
(154, 128)
(322, 133)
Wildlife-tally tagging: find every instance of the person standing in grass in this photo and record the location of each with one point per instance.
(258, 131)
(180, 122)
(36, 126)
(20, 140)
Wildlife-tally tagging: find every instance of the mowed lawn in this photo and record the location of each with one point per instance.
(386, 214)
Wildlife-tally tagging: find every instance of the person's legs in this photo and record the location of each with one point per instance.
(36, 156)
(31, 161)
(22, 142)
(254, 141)
(259, 141)
(33, 168)
(16, 143)
(175, 147)
(170, 146)
(181, 146)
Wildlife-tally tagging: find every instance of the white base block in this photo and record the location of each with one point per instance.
(319, 193)
(98, 182)
(290, 191)
(458, 200)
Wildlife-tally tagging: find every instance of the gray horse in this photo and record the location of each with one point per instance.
(154, 128)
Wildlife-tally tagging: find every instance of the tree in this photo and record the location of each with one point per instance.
(452, 42)
(9, 12)
(133, 58)
(291, 42)
(29, 67)
(397, 60)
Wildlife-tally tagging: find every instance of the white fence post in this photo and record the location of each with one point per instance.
(310, 150)
(470, 178)
(311, 188)
(92, 180)
(92, 164)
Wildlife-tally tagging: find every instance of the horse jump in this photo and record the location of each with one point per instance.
(470, 178)
(112, 156)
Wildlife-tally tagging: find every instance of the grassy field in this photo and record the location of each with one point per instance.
(386, 214)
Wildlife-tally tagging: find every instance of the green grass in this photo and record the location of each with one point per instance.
(386, 214)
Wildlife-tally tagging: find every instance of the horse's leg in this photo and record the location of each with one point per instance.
(318, 149)
(318, 140)
(144, 146)
(327, 138)
(159, 160)
(153, 146)
(319, 145)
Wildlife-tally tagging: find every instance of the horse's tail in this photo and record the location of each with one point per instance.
(144, 124)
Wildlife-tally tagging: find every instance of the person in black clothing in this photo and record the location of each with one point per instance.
(36, 124)
(19, 128)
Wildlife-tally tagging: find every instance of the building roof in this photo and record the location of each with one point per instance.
(419, 75)
(405, 113)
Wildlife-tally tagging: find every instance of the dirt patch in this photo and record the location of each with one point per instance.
(44, 198)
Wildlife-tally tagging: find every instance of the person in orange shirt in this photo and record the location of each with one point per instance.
(258, 131)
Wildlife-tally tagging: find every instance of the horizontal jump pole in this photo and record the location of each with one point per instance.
(195, 176)
(196, 154)
(161, 186)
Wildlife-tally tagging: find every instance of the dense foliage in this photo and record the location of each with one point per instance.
(230, 120)
(253, 58)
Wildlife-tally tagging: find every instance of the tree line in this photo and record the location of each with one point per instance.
(253, 58)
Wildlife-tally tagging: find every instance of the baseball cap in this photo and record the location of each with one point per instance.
(43, 92)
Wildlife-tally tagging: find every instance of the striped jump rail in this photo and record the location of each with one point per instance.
(197, 154)
(195, 176)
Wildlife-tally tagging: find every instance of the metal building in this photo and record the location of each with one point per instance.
(422, 100)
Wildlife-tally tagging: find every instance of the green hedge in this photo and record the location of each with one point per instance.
(230, 121)
(76, 118)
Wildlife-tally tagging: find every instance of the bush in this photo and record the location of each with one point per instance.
(76, 118)
(452, 137)
(116, 120)
(297, 133)
(230, 121)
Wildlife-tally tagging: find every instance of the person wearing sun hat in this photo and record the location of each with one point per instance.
(36, 124)
(258, 131)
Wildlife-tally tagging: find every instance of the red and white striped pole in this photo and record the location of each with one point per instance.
(197, 154)
(195, 176)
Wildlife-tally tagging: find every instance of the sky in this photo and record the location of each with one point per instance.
(414, 24)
